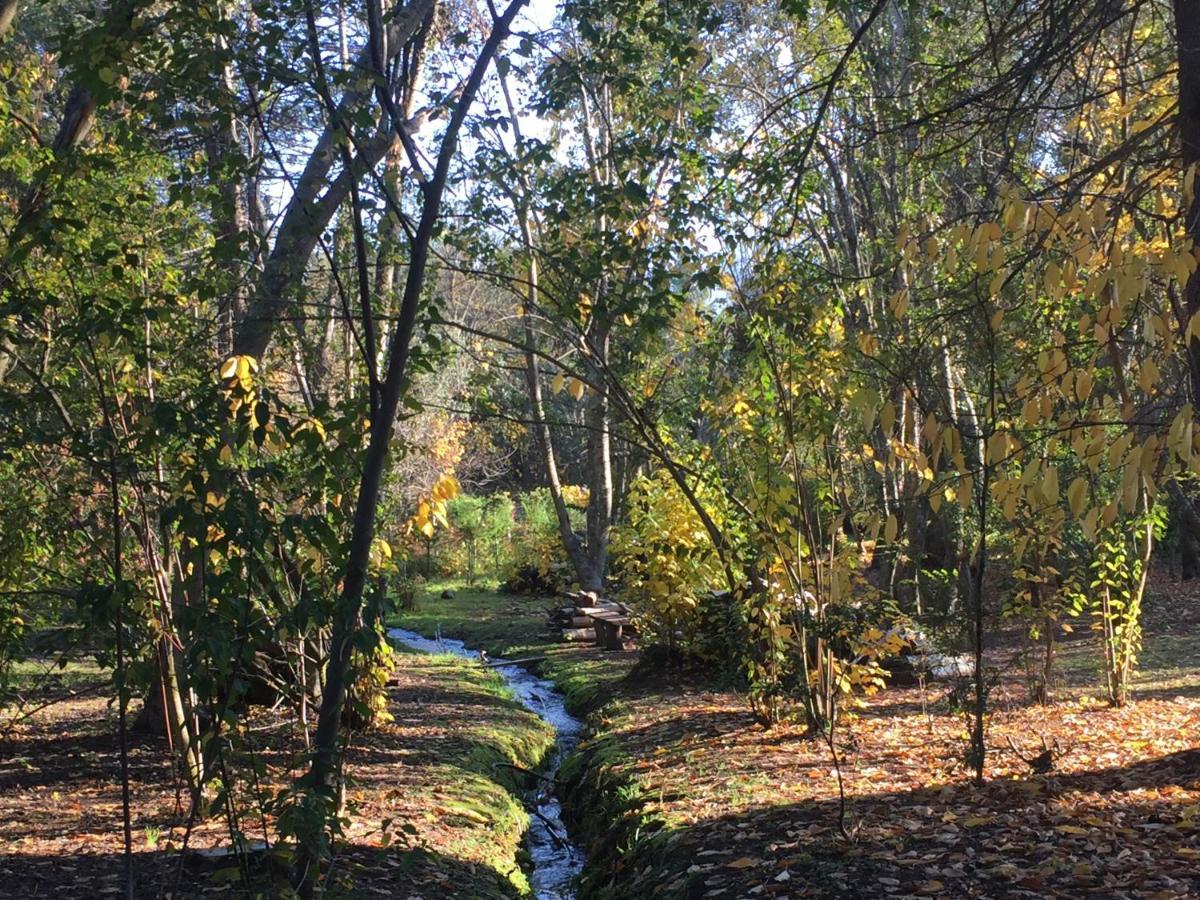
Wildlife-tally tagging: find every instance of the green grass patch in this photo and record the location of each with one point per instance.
(51, 676)
(458, 733)
(514, 626)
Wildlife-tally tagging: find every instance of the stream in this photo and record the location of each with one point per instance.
(556, 860)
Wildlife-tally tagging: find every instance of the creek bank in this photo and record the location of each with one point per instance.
(556, 861)
(603, 805)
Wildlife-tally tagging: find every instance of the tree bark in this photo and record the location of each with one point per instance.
(599, 457)
(309, 211)
(1187, 37)
(322, 774)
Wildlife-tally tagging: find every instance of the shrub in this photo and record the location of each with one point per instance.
(539, 564)
(665, 563)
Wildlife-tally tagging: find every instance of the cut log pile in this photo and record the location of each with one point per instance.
(590, 619)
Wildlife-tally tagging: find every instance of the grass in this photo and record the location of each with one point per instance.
(439, 779)
(514, 626)
(56, 674)
(433, 807)
(678, 792)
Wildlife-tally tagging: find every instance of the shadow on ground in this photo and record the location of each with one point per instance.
(1123, 831)
(397, 872)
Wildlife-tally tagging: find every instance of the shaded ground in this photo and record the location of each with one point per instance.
(680, 793)
(431, 814)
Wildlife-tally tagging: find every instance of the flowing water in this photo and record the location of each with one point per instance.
(556, 860)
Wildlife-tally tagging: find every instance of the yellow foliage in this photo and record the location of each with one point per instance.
(663, 556)
(431, 510)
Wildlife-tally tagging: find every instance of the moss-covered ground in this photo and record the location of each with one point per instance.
(434, 804)
(515, 627)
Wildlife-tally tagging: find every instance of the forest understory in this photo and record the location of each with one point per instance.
(677, 791)
(737, 367)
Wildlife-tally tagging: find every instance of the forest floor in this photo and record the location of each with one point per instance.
(430, 814)
(679, 792)
(676, 792)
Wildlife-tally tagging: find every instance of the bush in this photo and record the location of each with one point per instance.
(366, 699)
(539, 564)
(665, 564)
(483, 526)
(405, 588)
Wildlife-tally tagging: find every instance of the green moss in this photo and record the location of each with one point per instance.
(605, 808)
(629, 847)
(473, 786)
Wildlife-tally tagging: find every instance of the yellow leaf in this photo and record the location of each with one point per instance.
(1076, 494)
(577, 389)
(229, 367)
(1083, 385)
(996, 284)
(1148, 376)
(1089, 523)
(966, 493)
(891, 529)
(1050, 485)
(887, 416)
(557, 382)
(1193, 328)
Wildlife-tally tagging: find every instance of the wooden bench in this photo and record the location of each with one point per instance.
(610, 628)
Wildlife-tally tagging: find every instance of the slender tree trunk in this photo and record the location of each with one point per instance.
(599, 456)
(542, 435)
(1187, 37)
(317, 198)
(231, 214)
(323, 773)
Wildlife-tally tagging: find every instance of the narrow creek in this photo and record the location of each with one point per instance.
(556, 860)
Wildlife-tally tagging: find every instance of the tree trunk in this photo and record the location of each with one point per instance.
(310, 211)
(599, 457)
(1187, 37)
(322, 777)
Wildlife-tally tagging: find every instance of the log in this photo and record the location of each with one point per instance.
(581, 622)
(579, 635)
(610, 616)
(513, 662)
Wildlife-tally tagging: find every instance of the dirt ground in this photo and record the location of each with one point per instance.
(713, 805)
(678, 791)
(429, 813)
